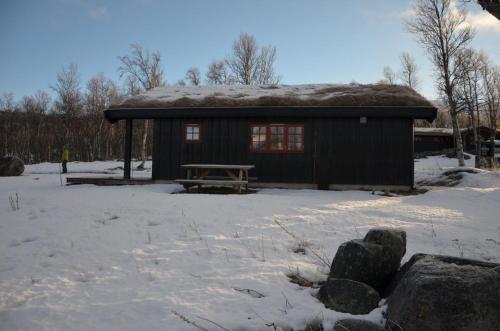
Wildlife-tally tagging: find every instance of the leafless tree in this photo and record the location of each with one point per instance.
(193, 76)
(100, 92)
(251, 65)
(180, 82)
(67, 88)
(217, 73)
(408, 72)
(441, 29)
(389, 76)
(132, 86)
(491, 89)
(468, 91)
(147, 70)
(264, 73)
(69, 99)
(36, 107)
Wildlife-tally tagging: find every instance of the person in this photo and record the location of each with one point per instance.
(65, 159)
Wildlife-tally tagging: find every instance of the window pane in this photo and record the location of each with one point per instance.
(295, 138)
(277, 137)
(259, 139)
(192, 132)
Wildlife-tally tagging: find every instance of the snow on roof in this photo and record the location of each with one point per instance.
(274, 95)
(434, 131)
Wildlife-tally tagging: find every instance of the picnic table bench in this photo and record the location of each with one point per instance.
(198, 174)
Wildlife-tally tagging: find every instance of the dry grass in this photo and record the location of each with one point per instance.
(328, 96)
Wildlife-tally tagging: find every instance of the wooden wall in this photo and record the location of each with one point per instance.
(336, 150)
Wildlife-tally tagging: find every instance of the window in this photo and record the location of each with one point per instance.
(295, 138)
(259, 137)
(192, 133)
(279, 138)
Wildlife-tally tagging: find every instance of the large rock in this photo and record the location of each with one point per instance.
(433, 292)
(350, 324)
(373, 260)
(348, 296)
(11, 166)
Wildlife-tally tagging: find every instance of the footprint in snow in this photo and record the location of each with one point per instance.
(153, 223)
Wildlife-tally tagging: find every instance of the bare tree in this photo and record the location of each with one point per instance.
(36, 107)
(491, 89)
(68, 102)
(251, 65)
(100, 92)
(389, 76)
(217, 73)
(147, 70)
(180, 82)
(264, 73)
(440, 28)
(193, 76)
(468, 91)
(67, 87)
(408, 72)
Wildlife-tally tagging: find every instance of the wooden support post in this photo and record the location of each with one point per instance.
(127, 157)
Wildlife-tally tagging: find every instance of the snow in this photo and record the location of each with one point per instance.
(134, 257)
(274, 95)
(444, 131)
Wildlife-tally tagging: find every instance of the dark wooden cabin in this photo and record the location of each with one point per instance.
(433, 139)
(324, 136)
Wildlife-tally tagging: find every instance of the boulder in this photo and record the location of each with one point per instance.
(348, 296)
(373, 260)
(351, 324)
(433, 292)
(11, 166)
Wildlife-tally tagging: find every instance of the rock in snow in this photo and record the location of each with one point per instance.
(11, 166)
(350, 324)
(435, 292)
(348, 296)
(373, 260)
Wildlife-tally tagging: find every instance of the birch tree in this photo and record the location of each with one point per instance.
(389, 76)
(217, 73)
(193, 76)
(249, 64)
(408, 73)
(440, 28)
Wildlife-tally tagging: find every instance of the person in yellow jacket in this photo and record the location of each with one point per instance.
(65, 159)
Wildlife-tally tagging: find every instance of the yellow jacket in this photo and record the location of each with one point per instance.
(65, 155)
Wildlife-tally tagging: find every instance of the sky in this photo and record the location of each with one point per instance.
(317, 41)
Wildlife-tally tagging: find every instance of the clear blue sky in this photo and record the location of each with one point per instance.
(318, 41)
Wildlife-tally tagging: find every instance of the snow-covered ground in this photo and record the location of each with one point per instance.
(137, 257)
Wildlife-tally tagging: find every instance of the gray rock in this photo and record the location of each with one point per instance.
(356, 325)
(11, 166)
(373, 260)
(433, 292)
(389, 238)
(348, 296)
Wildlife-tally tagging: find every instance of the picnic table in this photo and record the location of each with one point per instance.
(199, 174)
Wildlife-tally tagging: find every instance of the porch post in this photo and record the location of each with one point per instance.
(128, 149)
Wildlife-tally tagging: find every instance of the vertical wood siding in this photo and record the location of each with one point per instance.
(336, 150)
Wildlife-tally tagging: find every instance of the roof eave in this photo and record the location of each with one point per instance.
(415, 112)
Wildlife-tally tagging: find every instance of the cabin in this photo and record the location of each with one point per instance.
(313, 136)
(433, 139)
(440, 139)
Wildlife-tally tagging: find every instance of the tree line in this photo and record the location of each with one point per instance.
(37, 128)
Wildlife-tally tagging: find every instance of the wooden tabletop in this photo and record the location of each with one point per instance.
(218, 166)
